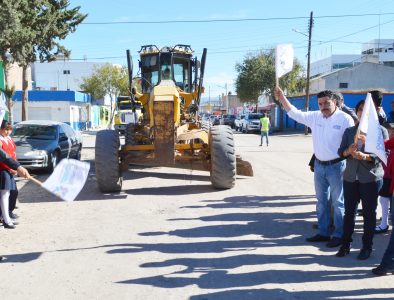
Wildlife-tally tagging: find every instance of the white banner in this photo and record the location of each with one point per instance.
(284, 58)
(369, 124)
(68, 179)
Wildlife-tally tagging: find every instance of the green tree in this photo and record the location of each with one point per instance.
(10, 31)
(41, 25)
(111, 80)
(256, 76)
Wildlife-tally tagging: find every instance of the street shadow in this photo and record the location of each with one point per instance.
(222, 279)
(21, 258)
(263, 293)
(255, 201)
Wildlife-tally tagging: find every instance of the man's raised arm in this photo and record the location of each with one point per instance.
(282, 99)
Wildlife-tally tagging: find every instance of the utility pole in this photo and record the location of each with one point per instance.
(308, 69)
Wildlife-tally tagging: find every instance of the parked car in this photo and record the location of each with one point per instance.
(229, 120)
(42, 144)
(215, 119)
(237, 122)
(251, 122)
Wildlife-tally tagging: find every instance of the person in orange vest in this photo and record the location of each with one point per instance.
(265, 126)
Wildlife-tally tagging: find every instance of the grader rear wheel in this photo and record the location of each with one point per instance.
(108, 174)
(223, 161)
(130, 134)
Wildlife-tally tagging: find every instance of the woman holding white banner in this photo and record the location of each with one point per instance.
(362, 179)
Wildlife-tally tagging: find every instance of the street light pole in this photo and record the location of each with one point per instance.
(308, 69)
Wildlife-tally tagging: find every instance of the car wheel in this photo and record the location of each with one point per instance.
(78, 155)
(54, 160)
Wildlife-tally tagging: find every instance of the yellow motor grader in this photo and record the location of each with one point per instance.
(169, 131)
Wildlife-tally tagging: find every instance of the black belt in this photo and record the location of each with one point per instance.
(330, 162)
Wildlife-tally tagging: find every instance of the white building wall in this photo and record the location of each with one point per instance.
(363, 77)
(62, 74)
(43, 110)
(327, 65)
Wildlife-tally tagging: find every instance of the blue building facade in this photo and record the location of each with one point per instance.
(73, 108)
(351, 99)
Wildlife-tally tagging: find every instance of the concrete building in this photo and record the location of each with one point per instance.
(334, 62)
(378, 51)
(365, 76)
(61, 74)
(73, 108)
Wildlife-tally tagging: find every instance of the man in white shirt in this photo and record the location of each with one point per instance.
(328, 125)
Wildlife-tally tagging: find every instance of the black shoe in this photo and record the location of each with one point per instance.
(318, 238)
(364, 254)
(335, 242)
(343, 251)
(379, 229)
(382, 271)
(9, 226)
(13, 216)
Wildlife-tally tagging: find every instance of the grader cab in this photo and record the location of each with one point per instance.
(169, 131)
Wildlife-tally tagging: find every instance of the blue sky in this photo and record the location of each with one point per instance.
(227, 42)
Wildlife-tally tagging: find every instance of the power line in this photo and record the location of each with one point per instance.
(234, 20)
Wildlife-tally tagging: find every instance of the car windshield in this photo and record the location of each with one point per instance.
(254, 116)
(38, 132)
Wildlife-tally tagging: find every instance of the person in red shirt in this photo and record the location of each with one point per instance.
(7, 181)
(386, 265)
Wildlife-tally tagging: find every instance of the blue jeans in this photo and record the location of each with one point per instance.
(329, 186)
(388, 257)
(264, 134)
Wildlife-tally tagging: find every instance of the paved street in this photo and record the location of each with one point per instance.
(170, 235)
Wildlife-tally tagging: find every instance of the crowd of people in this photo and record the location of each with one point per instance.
(346, 174)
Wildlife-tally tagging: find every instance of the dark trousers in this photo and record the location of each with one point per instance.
(368, 193)
(13, 197)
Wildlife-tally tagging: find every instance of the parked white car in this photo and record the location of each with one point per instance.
(251, 122)
(237, 122)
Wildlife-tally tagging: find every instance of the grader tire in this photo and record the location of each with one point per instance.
(108, 174)
(130, 134)
(223, 161)
(206, 125)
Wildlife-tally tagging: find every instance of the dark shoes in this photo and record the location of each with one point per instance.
(343, 251)
(379, 229)
(13, 216)
(318, 238)
(335, 242)
(9, 226)
(382, 271)
(364, 254)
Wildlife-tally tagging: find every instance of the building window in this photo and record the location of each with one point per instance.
(66, 72)
(343, 85)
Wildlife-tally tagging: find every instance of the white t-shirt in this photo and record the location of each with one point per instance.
(326, 132)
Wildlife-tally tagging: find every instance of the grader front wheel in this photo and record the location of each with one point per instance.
(108, 174)
(223, 161)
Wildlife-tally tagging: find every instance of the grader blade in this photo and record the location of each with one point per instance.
(164, 132)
